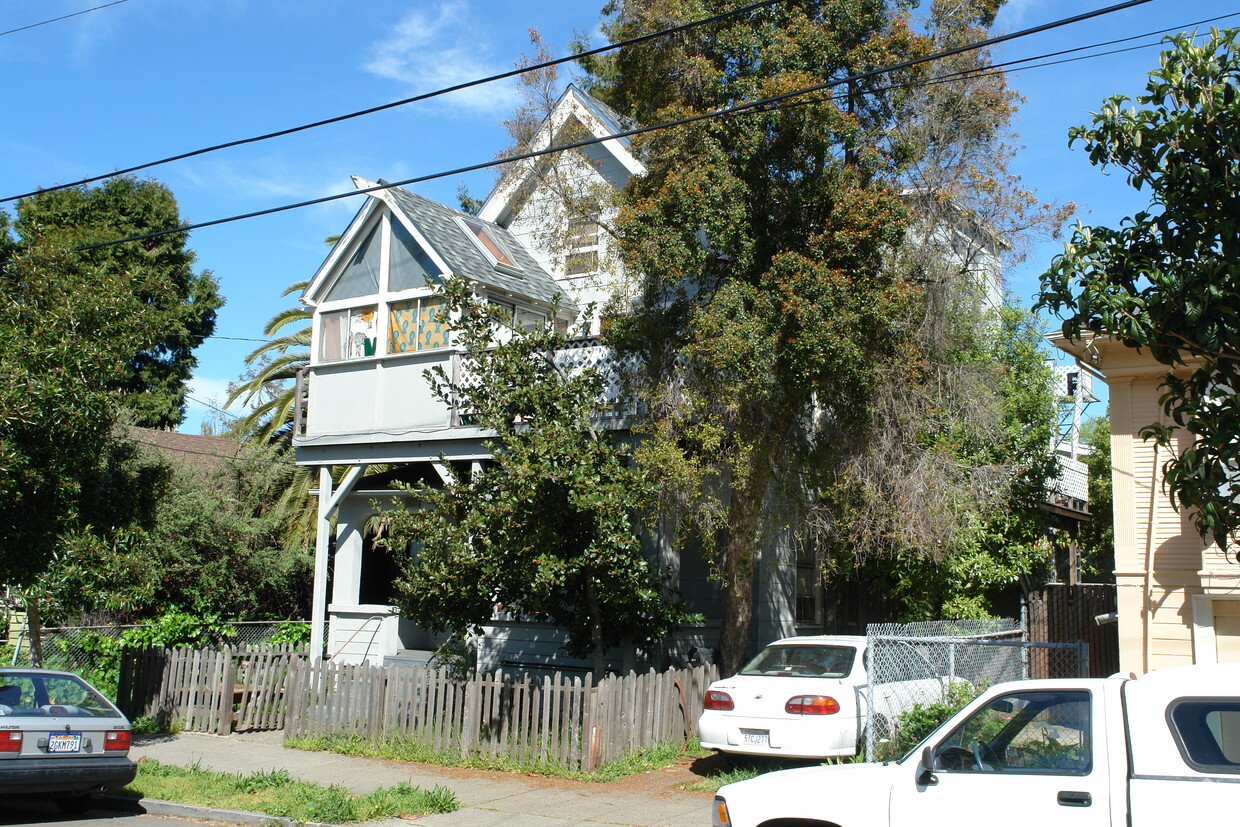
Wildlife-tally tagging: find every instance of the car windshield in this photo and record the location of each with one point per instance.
(803, 660)
(35, 693)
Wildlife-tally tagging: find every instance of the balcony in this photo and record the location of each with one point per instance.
(381, 408)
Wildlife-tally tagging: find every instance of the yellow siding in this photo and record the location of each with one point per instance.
(1227, 630)
(1160, 559)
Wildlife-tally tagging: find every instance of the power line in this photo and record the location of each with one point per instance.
(209, 406)
(1015, 65)
(993, 69)
(62, 17)
(394, 104)
(718, 113)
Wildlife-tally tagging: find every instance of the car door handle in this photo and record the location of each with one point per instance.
(1071, 798)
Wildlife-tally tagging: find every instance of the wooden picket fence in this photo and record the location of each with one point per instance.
(569, 721)
(563, 720)
(566, 721)
(208, 690)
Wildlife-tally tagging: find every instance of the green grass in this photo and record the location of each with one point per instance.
(399, 749)
(712, 783)
(276, 793)
(742, 768)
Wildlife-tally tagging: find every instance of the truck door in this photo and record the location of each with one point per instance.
(1034, 757)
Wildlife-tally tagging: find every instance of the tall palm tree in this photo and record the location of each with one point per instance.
(271, 392)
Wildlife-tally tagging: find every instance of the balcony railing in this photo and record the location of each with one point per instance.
(391, 398)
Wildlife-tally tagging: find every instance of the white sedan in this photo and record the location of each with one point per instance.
(806, 697)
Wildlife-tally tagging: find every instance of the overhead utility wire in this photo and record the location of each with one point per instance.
(62, 17)
(718, 113)
(964, 74)
(1017, 64)
(394, 104)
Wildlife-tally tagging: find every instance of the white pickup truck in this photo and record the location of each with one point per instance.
(1157, 750)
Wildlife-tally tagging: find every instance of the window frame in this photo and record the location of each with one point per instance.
(1182, 744)
(385, 299)
(1084, 695)
(511, 266)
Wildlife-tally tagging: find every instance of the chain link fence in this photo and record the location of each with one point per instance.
(88, 648)
(940, 664)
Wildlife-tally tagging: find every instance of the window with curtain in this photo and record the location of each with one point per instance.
(417, 324)
(349, 334)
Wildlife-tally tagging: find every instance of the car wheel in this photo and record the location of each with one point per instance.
(74, 804)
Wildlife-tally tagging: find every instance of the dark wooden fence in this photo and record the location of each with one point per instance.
(568, 721)
(1063, 613)
(208, 690)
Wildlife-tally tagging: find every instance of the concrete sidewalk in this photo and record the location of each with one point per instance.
(487, 798)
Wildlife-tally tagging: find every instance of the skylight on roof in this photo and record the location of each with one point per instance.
(489, 243)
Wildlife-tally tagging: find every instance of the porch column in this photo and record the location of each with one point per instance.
(329, 501)
(322, 547)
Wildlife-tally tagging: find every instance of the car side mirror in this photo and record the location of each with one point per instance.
(925, 771)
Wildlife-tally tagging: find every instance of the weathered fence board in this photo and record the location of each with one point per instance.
(568, 721)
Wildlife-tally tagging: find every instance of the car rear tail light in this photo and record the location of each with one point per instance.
(117, 740)
(10, 741)
(718, 700)
(812, 705)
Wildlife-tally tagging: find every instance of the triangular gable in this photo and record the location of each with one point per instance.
(444, 236)
(597, 118)
(363, 220)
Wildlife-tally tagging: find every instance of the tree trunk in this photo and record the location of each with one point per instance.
(740, 553)
(35, 627)
(596, 629)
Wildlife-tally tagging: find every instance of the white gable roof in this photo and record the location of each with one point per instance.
(599, 120)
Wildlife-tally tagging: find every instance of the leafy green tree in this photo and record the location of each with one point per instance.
(269, 391)
(771, 315)
(546, 528)
(1167, 280)
(177, 305)
(66, 333)
(975, 483)
(1097, 540)
(214, 546)
(759, 240)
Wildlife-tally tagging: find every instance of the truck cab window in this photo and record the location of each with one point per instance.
(1022, 732)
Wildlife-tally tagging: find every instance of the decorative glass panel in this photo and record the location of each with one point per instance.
(360, 276)
(409, 265)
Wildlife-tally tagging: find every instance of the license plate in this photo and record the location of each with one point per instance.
(64, 742)
(756, 737)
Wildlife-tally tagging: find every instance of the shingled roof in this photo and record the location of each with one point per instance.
(439, 225)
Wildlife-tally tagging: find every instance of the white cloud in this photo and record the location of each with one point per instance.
(1015, 12)
(430, 50)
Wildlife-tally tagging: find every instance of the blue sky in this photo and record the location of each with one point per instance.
(150, 78)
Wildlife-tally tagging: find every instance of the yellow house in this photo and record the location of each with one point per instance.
(1179, 599)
